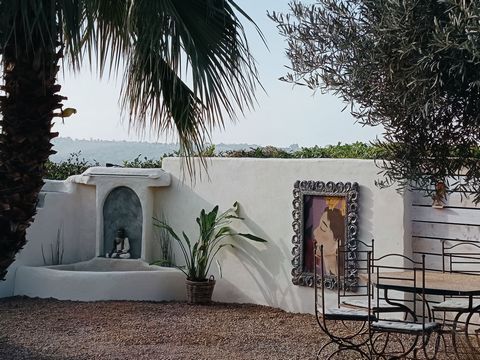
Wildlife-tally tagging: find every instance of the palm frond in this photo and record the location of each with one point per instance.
(188, 64)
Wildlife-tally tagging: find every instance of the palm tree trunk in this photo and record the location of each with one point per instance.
(29, 75)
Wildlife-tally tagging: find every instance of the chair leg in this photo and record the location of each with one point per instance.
(327, 353)
(393, 346)
(361, 354)
(322, 350)
(474, 333)
(455, 345)
(430, 353)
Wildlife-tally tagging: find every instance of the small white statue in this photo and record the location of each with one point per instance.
(121, 246)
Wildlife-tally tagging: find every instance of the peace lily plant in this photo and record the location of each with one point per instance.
(214, 231)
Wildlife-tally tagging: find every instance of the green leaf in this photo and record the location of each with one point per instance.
(213, 229)
(252, 237)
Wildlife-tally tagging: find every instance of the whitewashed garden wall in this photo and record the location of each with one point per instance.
(253, 273)
(261, 274)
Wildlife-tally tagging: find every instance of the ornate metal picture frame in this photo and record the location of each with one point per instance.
(327, 214)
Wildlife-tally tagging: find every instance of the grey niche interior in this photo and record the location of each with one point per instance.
(124, 198)
(122, 209)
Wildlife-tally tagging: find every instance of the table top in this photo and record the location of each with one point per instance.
(436, 282)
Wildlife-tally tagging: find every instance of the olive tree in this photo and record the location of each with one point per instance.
(412, 66)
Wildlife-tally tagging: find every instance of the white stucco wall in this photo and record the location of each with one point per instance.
(260, 273)
(253, 273)
(66, 206)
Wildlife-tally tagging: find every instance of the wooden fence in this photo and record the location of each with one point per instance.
(458, 221)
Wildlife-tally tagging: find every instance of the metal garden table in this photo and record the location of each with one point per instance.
(436, 283)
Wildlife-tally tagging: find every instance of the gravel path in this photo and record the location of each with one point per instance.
(50, 329)
(40, 329)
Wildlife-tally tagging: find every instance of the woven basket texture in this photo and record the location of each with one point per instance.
(199, 292)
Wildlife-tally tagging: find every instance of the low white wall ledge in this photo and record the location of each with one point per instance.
(57, 186)
(99, 174)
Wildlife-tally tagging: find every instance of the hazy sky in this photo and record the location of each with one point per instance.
(285, 115)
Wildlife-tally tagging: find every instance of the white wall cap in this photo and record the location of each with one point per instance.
(57, 186)
(120, 171)
(151, 177)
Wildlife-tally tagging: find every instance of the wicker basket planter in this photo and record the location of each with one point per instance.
(199, 292)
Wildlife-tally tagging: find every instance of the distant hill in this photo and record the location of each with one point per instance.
(116, 152)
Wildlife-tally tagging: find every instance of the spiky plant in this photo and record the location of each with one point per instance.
(214, 230)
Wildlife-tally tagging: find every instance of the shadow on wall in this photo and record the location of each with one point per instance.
(248, 265)
(264, 265)
(252, 272)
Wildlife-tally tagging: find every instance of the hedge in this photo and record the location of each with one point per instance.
(358, 150)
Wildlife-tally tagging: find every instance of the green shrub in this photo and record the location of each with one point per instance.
(358, 150)
(258, 152)
(72, 166)
(75, 165)
(145, 163)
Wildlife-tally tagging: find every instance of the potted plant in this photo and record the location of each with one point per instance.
(214, 229)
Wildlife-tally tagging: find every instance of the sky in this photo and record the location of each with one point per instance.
(284, 115)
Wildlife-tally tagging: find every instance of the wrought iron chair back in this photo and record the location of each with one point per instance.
(347, 327)
(398, 270)
(406, 277)
(455, 312)
(351, 289)
(461, 257)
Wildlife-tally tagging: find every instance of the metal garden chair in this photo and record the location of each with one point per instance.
(464, 258)
(346, 326)
(400, 281)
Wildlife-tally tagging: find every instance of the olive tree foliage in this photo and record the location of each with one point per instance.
(412, 66)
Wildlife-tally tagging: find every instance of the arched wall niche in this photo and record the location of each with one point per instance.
(122, 209)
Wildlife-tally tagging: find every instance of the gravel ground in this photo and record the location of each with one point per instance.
(49, 329)
(40, 329)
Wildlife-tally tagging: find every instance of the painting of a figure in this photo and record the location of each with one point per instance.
(325, 214)
(325, 225)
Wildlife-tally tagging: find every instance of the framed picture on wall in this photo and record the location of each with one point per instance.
(325, 214)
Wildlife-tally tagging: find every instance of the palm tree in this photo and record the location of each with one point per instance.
(187, 66)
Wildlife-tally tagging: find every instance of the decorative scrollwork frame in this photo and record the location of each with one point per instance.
(305, 193)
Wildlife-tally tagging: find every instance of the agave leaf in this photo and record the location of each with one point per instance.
(182, 269)
(195, 250)
(235, 207)
(215, 254)
(213, 229)
(223, 231)
(187, 240)
(251, 237)
(211, 219)
(234, 217)
(164, 225)
(188, 255)
(219, 267)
